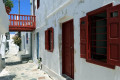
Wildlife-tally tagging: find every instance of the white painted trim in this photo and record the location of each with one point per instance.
(65, 18)
(59, 8)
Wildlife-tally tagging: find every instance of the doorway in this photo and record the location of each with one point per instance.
(68, 49)
(37, 45)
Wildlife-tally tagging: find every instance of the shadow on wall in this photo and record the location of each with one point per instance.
(9, 77)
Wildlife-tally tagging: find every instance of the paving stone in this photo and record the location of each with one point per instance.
(26, 71)
(30, 61)
(22, 73)
(33, 79)
(24, 62)
(24, 76)
(35, 70)
(41, 78)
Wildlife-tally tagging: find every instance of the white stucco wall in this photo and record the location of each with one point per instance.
(4, 20)
(26, 46)
(52, 15)
(4, 26)
(12, 45)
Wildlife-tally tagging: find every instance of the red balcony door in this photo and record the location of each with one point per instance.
(68, 48)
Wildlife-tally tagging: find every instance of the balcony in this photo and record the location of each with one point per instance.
(22, 22)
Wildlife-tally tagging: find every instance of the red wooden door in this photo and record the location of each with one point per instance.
(113, 36)
(68, 48)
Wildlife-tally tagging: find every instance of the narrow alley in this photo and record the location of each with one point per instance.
(18, 70)
(59, 39)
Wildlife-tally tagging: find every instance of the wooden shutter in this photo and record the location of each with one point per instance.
(46, 39)
(83, 37)
(113, 35)
(52, 39)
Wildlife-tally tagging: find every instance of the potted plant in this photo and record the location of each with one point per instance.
(8, 5)
(17, 40)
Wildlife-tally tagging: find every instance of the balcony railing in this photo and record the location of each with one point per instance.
(22, 22)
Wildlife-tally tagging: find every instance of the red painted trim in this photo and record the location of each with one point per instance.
(83, 37)
(101, 63)
(99, 10)
(113, 54)
(94, 12)
(49, 43)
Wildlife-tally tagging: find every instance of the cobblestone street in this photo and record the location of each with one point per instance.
(15, 70)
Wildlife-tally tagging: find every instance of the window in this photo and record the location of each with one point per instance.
(38, 3)
(49, 39)
(99, 36)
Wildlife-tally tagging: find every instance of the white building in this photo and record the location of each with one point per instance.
(26, 43)
(4, 27)
(62, 38)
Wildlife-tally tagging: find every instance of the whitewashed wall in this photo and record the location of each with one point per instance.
(4, 23)
(4, 20)
(13, 49)
(51, 14)
(26, 46)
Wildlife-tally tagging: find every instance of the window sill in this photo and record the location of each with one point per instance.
(101, 64)
(49, 50)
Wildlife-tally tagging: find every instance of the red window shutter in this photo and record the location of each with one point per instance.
(113, 35)
(52, 39)
(46, 39)
(83, 37)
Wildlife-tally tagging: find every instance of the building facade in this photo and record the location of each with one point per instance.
(26, 43)
(62, 38)
(4, 26)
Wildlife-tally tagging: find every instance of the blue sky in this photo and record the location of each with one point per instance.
(24, 8)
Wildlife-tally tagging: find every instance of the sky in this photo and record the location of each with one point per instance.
(24, 8)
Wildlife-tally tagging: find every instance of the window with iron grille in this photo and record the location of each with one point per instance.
(100, 35)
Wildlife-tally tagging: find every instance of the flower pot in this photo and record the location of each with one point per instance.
(8, 9)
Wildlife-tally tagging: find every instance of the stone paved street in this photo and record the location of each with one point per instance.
(27, 71)
(15, 70)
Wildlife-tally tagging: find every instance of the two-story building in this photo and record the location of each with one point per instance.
(77, 39)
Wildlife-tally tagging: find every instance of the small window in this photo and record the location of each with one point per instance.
(83, 22)
(114, 14)
(38, 3)
(49, 39)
